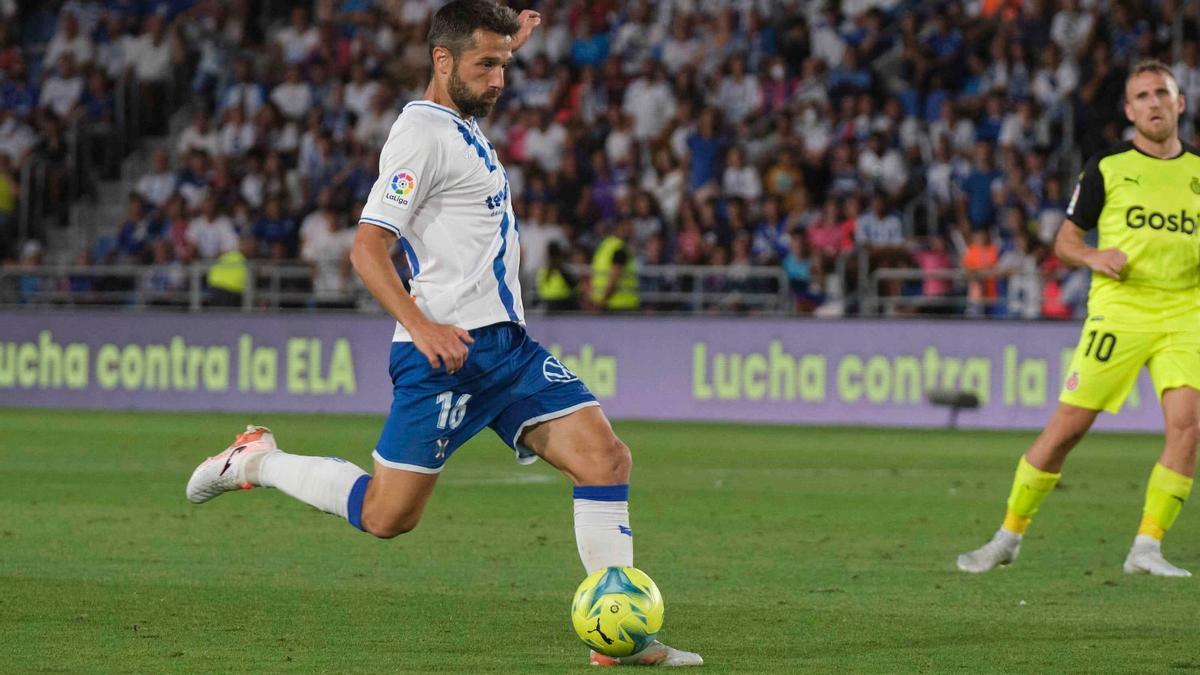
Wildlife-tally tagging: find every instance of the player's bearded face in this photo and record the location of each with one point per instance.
(1154, 106)
(471, 103)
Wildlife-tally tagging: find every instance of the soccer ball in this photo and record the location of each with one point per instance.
(617, 611)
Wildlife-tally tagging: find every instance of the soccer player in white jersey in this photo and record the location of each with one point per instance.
(461, 359)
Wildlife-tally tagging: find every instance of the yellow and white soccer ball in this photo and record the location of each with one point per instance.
(617, 611)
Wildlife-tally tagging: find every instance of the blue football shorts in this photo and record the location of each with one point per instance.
(508, 383)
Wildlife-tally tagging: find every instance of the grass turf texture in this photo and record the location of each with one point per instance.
(777, 549)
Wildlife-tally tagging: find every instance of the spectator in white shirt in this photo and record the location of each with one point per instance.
(244, 92)
(360, 91)
(552, 39)
(252, 187)
(650, 102)
(811, 86)
(538, 230)
(942, 173)
(877, 228)
(199, 135)
(740, 180)
(827, 43)
(739, 94)
(1021, 129)
(194, 179)
(16, 138)
(211, 232)
(293, 96)
(665, 182)
(683, 48)
(416, 12)
(237, 135)
(1070, 28)
(150, 57)
(376, 123)
(326, 245)
(62, 91)
(1055, 79)
(883, 166)
(158, 185)
(636, 39)
(907, 128)
(958, 130)
(544, 144)
(299, 39)
(110, 55)
(87, 12)
(69, 40)
(1187, 74)
(537, 84)
(150, 54)
(619, 145)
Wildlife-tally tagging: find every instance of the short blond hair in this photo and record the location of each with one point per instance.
(1151, 66)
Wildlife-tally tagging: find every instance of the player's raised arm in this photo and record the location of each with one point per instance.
(529, 20)
(442, 344)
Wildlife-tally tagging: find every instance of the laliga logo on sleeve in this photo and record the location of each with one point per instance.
(400, 188)
(554, 371)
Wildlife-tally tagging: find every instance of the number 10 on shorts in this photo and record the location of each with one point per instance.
(1104, 349)
(452, 413)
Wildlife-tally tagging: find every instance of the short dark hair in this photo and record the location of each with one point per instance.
(1150, 66)
(453, 24)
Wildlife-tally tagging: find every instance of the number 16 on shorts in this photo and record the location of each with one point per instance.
(452, 412)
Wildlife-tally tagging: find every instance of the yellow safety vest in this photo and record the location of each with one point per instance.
(228, 273)
(552, 286)
(8, 195)
(626, 294)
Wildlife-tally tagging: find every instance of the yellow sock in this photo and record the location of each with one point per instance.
(1030, 487)
(1165, 495)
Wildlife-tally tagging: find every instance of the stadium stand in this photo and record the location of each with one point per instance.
(882, 157)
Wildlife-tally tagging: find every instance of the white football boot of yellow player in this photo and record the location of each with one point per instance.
(1145, 557)
(1003, 549)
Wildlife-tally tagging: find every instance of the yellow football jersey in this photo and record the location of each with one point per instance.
(1149, 208)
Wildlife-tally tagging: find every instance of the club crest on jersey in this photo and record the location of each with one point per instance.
(494, 202)
(1073, 381)
(399, 189)
(1195, 185)
(554, 371)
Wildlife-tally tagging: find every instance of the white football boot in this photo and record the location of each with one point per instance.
(227, 471)
(1145, 557)
(657, 654)
(1003, 549)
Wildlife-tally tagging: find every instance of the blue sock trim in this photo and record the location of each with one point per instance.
(355, 502)
(603, 493)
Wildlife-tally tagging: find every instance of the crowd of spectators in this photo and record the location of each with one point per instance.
(60, 64)
(815, 137)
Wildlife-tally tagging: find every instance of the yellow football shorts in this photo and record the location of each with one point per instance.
(1106, 364)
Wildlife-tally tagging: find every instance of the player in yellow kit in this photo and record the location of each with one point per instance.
(1143, 309)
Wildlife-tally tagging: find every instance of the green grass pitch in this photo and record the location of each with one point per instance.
(777, 549)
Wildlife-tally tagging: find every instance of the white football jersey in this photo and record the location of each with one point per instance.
(442, 191)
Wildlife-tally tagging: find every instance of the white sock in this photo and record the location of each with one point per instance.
(322, 482)
(1145, 541)
(602, 526)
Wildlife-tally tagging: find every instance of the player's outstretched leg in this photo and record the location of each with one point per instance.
(1169, 486)
(1037, 473)
(583, 446)
(330, 484)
